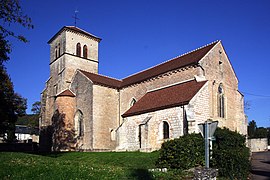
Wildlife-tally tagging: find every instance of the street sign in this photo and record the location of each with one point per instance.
(207, 130)
(212, 127)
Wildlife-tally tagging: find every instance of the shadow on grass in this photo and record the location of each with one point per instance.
(48, 154)
(267, 162)
(141, 174)
(261, 173)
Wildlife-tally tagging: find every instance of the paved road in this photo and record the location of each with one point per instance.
(260, 166)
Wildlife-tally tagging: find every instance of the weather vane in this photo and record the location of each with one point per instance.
(75, 18)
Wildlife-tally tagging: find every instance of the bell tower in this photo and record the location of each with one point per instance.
(71, 48)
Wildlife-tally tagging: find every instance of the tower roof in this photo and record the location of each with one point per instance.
(75, 30)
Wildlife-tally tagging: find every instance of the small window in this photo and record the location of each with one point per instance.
(56, 54)
(59, 50)
(166, 133)
(78, 49)
(79, 126)
(133, 101)
(85, 51)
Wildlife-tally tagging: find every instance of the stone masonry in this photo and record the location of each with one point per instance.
(84, 111)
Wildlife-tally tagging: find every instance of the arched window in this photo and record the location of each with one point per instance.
(79, 127)
(78, 49)
(221, 103)
(84, 51)
(166, 130)
(59, 50)
(56, 54)
(133, 101)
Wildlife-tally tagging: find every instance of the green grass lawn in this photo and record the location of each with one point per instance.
(81, 165)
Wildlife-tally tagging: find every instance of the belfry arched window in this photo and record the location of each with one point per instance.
(56, 53)
(78, 49)
(221, 102)
(166, 130)
(59, 50)
(79, 126)
(85, 51)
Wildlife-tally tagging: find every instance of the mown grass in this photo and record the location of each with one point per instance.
(82, 165)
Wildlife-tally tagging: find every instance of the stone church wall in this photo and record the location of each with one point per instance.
(197, 110)
(83, 88)
(152, 139)
(73, 38)
(218, 70)
(62, 122)
(138, 90)
(105, 116)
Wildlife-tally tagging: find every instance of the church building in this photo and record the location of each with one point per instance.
(82, 110)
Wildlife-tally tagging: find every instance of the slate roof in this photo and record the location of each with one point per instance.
(187, 59)
(74, 29)
(172, 96)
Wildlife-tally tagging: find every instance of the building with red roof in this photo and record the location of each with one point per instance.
(84, 110)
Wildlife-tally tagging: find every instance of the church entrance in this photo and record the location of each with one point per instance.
(143, 136)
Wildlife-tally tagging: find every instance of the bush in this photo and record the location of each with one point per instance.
(183, 153)
(230, 154)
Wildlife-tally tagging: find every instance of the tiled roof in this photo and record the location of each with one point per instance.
(173, 64)
(168, 97)
(190, 58)
(102, 80)
(74, 29)
(66, 93)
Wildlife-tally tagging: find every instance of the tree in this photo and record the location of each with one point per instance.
(36, 107)
(11, 104)
(256, 132)
(252, 128)
(261, 132)
(11, 13)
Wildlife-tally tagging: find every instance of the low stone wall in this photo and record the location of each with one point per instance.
(258, 145)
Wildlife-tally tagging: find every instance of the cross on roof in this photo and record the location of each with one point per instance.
(75, 18)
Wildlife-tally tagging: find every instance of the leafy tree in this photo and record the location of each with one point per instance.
(11, 13)
(252, 126)
(261, 132)
(11, 104)
(256, 132)
(36, 107)
(30, 120)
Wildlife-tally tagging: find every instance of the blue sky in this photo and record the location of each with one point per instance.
(142, 33)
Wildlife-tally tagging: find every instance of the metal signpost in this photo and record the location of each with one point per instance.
(207, 130)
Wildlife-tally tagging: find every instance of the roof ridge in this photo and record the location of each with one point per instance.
(174, 58)
(64, 91)
(174, 84)
(199, 48)
(100, 75)
(83, 31)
